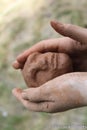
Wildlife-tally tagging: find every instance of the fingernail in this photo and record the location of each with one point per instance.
(58, 26)
(57, 23)
(19, 90)
(15, 91)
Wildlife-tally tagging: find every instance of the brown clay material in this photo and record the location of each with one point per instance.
(42, 67)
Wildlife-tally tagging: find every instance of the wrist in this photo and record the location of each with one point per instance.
(79, 84)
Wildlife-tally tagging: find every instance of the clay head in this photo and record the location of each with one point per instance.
(42, 67)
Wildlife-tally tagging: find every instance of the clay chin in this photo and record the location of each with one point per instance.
(42, 67)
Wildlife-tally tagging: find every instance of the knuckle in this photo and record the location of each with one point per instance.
(46, 107)
(44, 45)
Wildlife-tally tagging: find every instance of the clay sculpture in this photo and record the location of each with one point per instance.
(42, 67)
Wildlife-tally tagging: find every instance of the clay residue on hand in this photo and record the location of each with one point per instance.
(67, 98)
(42, 67)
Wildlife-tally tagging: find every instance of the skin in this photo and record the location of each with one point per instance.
(60, 94)
(64, 92)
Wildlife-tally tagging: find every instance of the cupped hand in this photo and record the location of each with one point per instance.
(74, 43)
(60, 94)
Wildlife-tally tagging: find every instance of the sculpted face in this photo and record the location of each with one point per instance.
(42, 67)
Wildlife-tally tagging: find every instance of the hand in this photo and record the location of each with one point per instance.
(62, 93)
(74, 44)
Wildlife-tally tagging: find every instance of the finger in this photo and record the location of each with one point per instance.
(17, 93)
(38, 94)
(17, 65)
(52, 45)
(72, 31)
(38, 107)
(22, 57)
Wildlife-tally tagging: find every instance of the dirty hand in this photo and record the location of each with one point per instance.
(62, 93)
(74, 44)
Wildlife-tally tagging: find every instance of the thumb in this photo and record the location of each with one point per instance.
(75, 32)
(35, 94)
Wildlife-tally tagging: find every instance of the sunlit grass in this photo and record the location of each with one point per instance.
(9, 6)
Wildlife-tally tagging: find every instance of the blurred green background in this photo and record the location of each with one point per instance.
(22, 24)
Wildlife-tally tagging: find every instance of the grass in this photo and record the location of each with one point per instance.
(11, 122)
